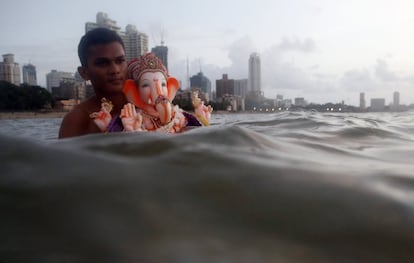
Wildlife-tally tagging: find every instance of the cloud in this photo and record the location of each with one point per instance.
(357, 80)
(306, 46)
(60, 55)
(279, 73)
(383, 72)
(380, 80)
(238, 54)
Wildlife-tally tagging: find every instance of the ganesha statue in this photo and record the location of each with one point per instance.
(150, 92)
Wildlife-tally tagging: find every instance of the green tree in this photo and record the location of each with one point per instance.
(24, 97)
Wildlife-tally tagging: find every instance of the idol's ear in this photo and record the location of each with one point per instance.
(131, 93)
(173, 86)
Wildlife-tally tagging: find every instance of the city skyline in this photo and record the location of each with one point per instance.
(319, 50)
(54, 77)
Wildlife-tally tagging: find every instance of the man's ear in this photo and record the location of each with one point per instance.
(83, 72)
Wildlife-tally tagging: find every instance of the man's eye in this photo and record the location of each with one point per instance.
(120, 60)
(145, 85)
(163, 84)
(101, 63)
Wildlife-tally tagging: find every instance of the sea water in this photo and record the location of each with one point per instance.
(277, 187)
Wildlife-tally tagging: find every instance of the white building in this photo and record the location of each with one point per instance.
(396, 101)
(102, 20)
(54, 77)
(240, 87)
(9, 70)
(136, 43)
(254, 84)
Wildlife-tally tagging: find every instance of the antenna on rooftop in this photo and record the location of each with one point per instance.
(162, 36)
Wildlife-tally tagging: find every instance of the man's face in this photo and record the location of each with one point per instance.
(106, 68)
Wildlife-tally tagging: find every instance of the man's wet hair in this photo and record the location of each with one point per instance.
(95, 37)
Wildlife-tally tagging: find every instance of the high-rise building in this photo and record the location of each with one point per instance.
(10, 70)
(29, 74)
(224, 86)
(162, 53)
(254, 74)
(362, 104)
(102, 20)
(202, 83)
(136, 43)
(54, 77)
(396, 101)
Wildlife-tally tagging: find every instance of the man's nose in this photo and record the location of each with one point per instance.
(114, 68)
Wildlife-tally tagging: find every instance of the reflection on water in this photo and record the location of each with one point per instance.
(287, 187)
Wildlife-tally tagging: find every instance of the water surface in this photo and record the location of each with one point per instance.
(283, 187)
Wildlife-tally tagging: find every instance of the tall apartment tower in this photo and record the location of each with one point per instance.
(29, 74)
(9, 70)
(136, 43)
(362, 104)
(396, 101)
(254, 84)
(102, 20)
(162, 53)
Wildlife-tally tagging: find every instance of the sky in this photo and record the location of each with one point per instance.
(322, 50)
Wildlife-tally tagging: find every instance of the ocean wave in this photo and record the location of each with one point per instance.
(232, 192)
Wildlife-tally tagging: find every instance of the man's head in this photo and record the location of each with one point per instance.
(102, 55)
(97, 36)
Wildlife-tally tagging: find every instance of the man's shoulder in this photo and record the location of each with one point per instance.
(77, 121)
(82, 110)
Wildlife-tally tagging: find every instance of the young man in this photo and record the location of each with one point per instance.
(103, 63)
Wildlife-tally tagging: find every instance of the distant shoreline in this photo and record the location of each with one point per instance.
(11, 115)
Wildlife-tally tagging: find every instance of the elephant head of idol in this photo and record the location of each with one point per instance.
(150, 88)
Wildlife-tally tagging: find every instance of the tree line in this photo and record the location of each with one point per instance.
(24, 97)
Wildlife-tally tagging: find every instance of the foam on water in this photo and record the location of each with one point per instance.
(290, 187)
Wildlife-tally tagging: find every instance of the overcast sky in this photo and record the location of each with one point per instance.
(322, 50)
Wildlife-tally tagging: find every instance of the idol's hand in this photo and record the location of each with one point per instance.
(131, 119)
(202, 112)
(103, 117)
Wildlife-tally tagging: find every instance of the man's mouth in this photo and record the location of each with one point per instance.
(116, 81)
